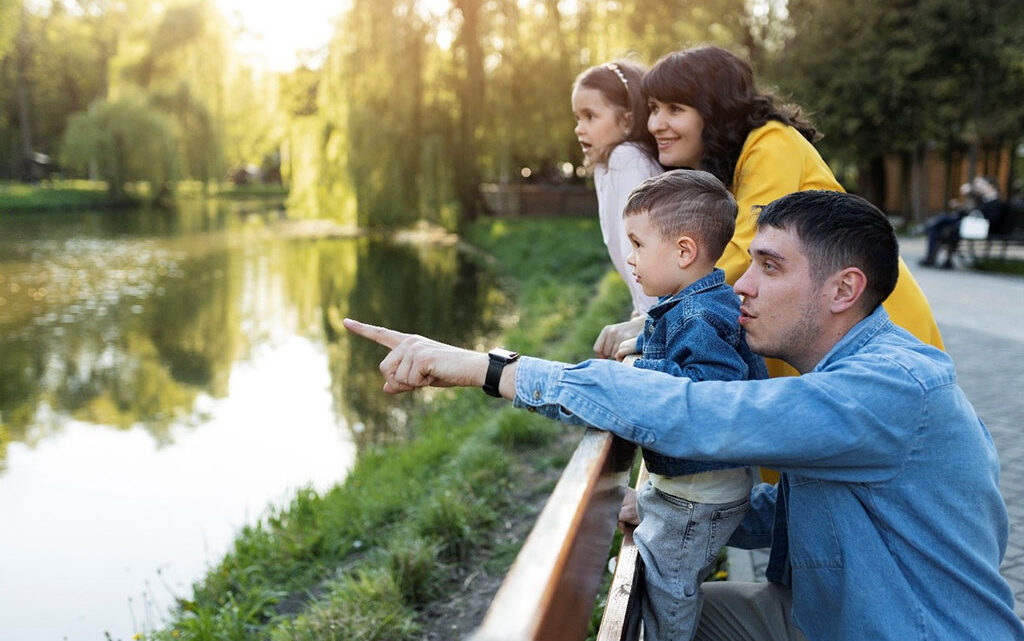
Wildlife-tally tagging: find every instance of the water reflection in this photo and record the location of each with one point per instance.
(126, 329)
(440, 294)
(163, 378)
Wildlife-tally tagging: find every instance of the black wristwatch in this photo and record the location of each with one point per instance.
(498, 358)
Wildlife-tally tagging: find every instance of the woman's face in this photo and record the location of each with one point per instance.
(677, 128)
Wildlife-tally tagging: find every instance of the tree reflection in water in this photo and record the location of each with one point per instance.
(125, 320)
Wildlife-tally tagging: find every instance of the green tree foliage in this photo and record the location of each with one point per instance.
(435, 103)
(885, 76)
(50, 70)
(478, 91)
(253, 125)
(9, 21)
(381, 68)
(57, 58)
(179, 57)
(418, 102)
(128, 141)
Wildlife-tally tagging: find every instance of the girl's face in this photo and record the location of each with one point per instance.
(599, 124)
(677, 129)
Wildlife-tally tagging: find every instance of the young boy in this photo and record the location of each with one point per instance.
(679, 223)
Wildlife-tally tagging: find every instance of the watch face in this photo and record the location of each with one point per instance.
(503, 354)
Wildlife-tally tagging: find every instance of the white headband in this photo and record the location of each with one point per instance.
(614, 68)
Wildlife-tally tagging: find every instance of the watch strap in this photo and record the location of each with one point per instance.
(497, 359)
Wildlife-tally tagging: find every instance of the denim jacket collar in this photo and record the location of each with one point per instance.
(715, 279)
(857, 337)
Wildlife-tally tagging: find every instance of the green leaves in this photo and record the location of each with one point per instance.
(885, 76)
(128, 141)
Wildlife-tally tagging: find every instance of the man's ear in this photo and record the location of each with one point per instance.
(849, 285)
(686, 251)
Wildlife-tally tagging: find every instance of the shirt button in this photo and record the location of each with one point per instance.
(537, 395)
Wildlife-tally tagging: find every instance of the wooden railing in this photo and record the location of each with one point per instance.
(548, 594)
(621, 619)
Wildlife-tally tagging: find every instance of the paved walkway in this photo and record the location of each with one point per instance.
(981, 317)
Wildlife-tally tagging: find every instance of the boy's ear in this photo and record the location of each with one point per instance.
(686, 251)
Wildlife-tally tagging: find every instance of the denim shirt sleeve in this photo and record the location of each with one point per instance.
(854, 423)
(696, 351)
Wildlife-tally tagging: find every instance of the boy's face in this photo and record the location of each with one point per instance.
(654, 259)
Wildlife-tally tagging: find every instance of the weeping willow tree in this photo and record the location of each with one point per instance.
(382, 64)
(127, 141)
(418, 103)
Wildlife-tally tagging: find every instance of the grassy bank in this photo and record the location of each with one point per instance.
(63, 195)
(53, 195)
(419, 526)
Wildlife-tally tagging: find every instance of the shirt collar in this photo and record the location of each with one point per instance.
(715, 279)
(857, 337)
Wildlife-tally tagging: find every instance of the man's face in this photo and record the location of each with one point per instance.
(784, 310)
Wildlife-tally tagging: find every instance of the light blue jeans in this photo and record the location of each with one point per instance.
(679, 543)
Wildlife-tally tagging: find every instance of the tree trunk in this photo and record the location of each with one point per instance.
(917, 185)
(871, 181)
(471, 98)
(24, 117)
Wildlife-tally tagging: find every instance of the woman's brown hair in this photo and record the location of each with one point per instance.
(720, 86)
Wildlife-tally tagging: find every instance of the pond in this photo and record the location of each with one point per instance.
(164, 377)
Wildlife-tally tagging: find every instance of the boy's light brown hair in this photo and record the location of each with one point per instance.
(687, 202)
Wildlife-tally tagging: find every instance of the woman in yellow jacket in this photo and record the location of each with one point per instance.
(707, 113)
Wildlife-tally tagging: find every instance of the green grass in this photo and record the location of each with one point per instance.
(63, 194)
(230, 191)
(365, 559)
(1000, 266)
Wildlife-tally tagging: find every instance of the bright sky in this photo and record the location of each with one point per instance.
(277, 30)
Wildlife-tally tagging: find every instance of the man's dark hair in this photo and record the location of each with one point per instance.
(687, 202)
(837, 231)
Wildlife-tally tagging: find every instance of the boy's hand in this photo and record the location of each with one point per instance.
(608, 341)
(626, 348)
(628, 516)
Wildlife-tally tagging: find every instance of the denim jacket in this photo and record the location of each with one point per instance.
(887, 524)
(696, 334)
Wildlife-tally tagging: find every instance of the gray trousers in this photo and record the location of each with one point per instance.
(678, 541)
(736, 611)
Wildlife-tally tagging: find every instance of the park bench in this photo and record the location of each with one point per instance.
(548, 594)
(1005, 230)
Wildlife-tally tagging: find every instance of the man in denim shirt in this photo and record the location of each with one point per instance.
(887, 522)
(678, 223)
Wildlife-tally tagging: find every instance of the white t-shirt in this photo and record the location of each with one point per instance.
(627, 167)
